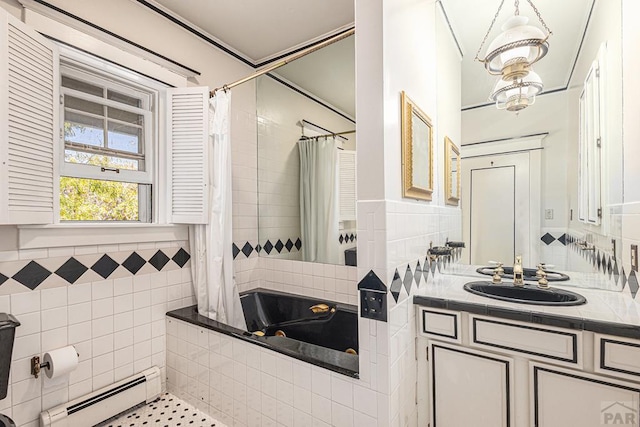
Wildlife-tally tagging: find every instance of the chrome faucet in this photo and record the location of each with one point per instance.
(518, 272)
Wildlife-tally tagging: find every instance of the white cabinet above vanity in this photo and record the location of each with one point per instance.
(510, 365)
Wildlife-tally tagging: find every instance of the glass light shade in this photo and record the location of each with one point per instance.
(517, 95)
(513, 51)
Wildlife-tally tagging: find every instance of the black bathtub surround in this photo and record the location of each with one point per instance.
(320, 338)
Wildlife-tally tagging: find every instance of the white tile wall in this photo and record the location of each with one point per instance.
(116, 325)
(331, 282)
(242, 384)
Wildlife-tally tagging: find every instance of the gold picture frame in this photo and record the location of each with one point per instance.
(417, 151)
(452, 172)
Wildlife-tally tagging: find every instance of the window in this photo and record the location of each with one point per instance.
(107, 165)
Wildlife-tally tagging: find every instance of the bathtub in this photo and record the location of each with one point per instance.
(292, 316)
(287, 324)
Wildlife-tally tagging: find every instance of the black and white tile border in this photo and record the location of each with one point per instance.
(279, 246)
(607, 265)
(347, 237)
(426, 269)
(16, 276)
(548, 239)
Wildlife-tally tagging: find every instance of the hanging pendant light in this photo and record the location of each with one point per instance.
(520, 45)
(518, 94)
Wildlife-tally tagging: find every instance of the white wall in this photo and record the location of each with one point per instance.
(118, 324)
(400, 46)
(549, 114)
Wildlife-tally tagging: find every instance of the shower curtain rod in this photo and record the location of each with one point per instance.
(288, 59)
(332, 134)
(306, 123)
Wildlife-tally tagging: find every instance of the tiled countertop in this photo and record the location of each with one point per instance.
(607, 312)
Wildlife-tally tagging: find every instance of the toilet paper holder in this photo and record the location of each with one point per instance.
(36, 366)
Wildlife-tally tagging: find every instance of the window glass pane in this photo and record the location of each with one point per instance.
(82, 105)
(95, 200)
(125, 99)
(82, 86)
(83, 129)
(125, 116)
(125, 138)
(81, 157)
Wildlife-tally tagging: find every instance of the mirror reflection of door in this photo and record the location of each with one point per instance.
(492, 222)
(500, 205)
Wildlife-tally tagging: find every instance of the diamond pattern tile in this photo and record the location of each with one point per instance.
(298, 244)
(159, 260)
(341, 239)
(71, 270)
(279, 245)
(234, 250)
(624, 279)
(633, 284)
(396, 286)
(268, 247)
(372, 282)
(134, 263)
(247, 249)
(563, 239)
(3, 278)
(289, 245)
(104, 266)
(408, 280)
(417, 276)
(31, 275)
(548, 239)
(181, 257)
(258, 248)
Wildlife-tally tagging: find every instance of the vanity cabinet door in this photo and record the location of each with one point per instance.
(562, 397)
(469, 388)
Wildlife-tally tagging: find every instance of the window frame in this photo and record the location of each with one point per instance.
(82, 66)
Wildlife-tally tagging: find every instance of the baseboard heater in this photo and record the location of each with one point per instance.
(105, 403)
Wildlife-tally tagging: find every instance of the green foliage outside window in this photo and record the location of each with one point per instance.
(84, 199)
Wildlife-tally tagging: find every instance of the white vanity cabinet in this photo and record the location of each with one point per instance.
(563, 397)
(469, 388)
(485, 371)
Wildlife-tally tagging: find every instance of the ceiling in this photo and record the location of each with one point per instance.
(328, 73)
(471, 19)
(259, 29)
(254, 29)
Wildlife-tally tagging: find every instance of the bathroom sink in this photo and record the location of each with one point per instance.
(529, 294)
(528, 274)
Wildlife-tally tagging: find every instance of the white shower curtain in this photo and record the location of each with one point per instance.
(319, 199)
(212, 260)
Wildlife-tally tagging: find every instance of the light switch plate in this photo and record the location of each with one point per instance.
(548, 214)
(634, 257)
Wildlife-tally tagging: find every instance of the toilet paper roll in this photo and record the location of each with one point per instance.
(61, 361)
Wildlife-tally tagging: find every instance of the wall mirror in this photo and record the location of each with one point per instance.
(527, 186)
(306, 174)
(452, 172)
(417, 151)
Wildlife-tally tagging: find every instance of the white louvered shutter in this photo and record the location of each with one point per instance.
(347, 163)
(29, 125)
(188, 135)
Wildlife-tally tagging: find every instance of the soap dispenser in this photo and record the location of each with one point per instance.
(518, 272)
